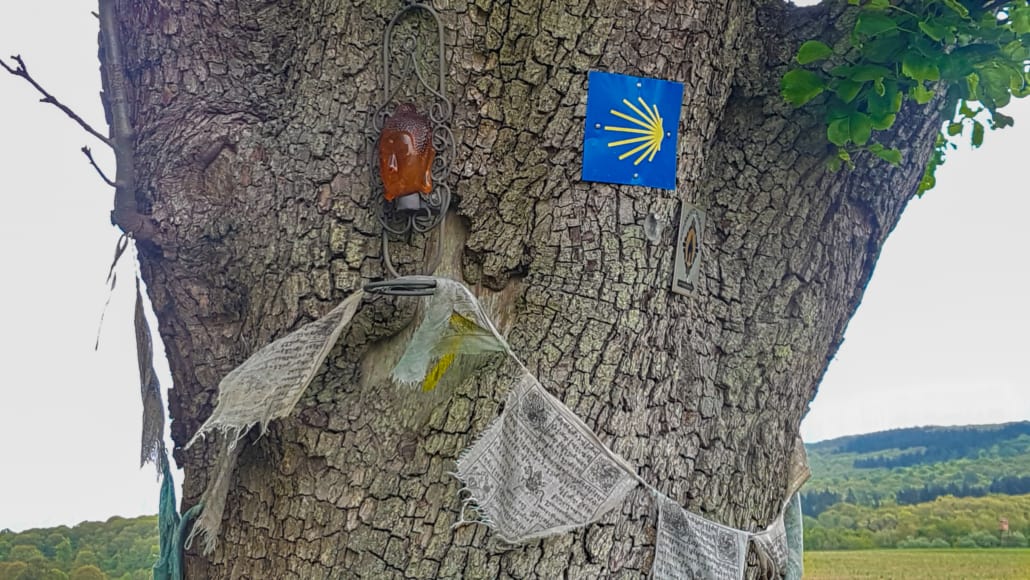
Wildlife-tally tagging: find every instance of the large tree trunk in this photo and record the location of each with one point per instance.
(250, 152)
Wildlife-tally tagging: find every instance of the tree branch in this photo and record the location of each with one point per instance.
(22, 71)
(126, 213)
(89, 155)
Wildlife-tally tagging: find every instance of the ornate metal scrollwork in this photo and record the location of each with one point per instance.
(414, 72)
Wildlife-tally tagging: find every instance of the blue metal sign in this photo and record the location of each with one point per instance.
(631, 129)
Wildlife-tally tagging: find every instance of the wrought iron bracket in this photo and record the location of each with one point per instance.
(414, 71)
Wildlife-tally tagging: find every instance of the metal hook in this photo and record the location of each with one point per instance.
(404, 286)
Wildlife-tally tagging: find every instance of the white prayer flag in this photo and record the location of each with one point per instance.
(691, 547)
(537, 470)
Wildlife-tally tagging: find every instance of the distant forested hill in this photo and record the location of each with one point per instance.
(862, 485)
(118, 549)
(919, 464)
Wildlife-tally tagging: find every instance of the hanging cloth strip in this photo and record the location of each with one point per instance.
(171, 527)
(152, 444)
(266, 386)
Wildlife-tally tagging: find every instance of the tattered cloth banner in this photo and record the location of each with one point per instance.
(266, 386)
(152, 444)
(690, 546)
(537, 470)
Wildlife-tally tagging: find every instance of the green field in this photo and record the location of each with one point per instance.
(1003, 564)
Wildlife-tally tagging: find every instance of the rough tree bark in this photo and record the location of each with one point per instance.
(249, 152)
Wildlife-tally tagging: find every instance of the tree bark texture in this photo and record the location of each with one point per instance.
(250, 160)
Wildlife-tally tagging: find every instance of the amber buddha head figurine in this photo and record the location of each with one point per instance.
(406, 153)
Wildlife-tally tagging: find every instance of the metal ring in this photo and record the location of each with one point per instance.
(404, 286)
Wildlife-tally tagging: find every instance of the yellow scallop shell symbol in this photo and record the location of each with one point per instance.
(649, 127)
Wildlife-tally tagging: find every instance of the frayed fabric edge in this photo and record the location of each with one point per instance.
(208, 524)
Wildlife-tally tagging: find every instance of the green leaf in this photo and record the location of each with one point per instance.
(892, 155)
(1021, 20)
(1016, 51)
(868, 72)
(839, 131)
(994, 85)
(973, 84)
(873, 23)
(847, 90)
(933, 28)
(1016, 81)
(896, 101)
(844, 156)
(879, 87)
(801, 86)
(1001, 120)
(978, 134)
(812, 51)
(883, 122)
(927, 183)
(842, 71)
(954, 129)
(957, 7)
(920, 94)
(918, 67)
(888, 103)
(861, 127)
(885, 48)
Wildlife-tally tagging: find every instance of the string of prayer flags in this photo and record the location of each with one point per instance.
(537, 470)
(266, 386)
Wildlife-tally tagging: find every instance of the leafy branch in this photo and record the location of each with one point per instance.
(975, 54)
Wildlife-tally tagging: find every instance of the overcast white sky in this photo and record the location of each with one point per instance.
(940, 337)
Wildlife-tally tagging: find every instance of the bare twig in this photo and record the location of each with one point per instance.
(89, 155)
(22, 71)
